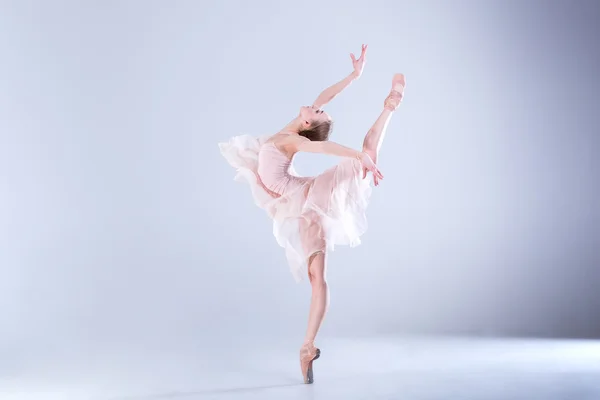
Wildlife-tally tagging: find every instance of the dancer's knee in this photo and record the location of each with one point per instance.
(316, 268)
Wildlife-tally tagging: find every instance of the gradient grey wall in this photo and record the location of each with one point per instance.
(120, 222)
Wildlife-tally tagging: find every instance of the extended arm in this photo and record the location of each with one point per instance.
(331, 92)
(328, 147)
(336, 149)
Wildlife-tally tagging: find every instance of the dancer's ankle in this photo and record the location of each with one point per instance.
(393, 100)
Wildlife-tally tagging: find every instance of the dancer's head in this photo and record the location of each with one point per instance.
(316, 124)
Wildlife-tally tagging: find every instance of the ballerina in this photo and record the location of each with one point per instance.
(313, 214)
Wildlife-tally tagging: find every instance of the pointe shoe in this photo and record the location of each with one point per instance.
(308, 354)
(396, 94)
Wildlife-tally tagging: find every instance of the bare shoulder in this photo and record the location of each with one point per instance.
(287, 142)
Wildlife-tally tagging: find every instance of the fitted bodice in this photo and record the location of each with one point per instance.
(276, 171)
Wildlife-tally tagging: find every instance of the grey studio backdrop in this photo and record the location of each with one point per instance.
(121, 224)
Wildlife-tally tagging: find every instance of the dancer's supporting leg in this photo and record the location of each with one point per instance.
(319, 301)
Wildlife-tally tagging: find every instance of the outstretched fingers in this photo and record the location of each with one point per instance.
(377, 175)
(363, 52)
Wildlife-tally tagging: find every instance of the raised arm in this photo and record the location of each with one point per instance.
(331, 92)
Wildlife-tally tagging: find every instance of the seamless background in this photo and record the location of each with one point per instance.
(121, 227)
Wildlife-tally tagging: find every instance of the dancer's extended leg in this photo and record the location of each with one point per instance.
(374, 137)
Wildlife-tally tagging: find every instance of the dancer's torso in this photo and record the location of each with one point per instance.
(275, 170)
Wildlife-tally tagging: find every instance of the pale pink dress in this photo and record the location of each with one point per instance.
(309, 214)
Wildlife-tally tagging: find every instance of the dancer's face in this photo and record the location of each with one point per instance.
(313, 114)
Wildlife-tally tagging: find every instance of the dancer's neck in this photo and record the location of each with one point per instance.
(294, 126)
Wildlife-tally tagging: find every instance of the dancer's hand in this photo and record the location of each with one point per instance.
(360, 63)
(369, 166)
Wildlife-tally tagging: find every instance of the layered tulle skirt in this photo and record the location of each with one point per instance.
(315, 214)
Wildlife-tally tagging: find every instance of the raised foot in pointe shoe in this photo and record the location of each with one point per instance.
(396, 94)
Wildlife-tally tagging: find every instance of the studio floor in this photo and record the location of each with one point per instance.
(359, 368)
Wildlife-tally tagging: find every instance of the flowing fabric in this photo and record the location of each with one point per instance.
(310, 214)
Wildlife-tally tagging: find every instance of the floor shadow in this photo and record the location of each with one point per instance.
(182, 395)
